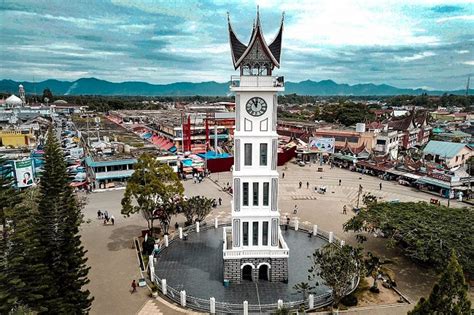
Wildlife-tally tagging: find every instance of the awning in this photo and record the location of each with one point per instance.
(434, 182)
(396, 172)
(412, 176)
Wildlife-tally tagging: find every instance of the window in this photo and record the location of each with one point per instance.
(265, 234)
(266, 188)
(245, 230)
(248, 154)
(263, 154)
(255, 234)
(245, 194)
(381, 142)
(255, 194)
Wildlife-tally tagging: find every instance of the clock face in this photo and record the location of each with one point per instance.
(256, 106)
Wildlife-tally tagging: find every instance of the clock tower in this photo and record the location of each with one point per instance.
(254, 248)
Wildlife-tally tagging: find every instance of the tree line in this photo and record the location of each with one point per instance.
(42, 264)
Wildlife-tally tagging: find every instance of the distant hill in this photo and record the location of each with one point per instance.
(93, 86)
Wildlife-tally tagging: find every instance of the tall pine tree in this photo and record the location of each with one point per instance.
(57, 226)
(449, 294)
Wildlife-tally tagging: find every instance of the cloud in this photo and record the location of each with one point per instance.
(397, 42)
(419, 56)
(469, 63)
(456, 18)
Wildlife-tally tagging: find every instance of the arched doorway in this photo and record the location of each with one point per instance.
(247, 273)
(263, 272)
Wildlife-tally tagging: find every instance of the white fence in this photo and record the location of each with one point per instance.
(204, 305)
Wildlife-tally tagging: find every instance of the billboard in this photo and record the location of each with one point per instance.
(24, 173)
(321, 145)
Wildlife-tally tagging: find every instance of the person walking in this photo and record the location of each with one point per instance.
(287, 223)
(134, 287)
(220, 201)
(295, 210)
(301, 184)
(344, 210)
(339, 182)
(99, 214)
(283, 175)
(112, 219)
(380, 186)
(307, 185)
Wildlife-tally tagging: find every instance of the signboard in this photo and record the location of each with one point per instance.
(321, 145)
(24, 173)
(76, 153)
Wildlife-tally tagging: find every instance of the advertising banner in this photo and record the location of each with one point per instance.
(76, 153)
(321, 145)
(24, 173)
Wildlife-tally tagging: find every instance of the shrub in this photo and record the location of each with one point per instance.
(349, 300)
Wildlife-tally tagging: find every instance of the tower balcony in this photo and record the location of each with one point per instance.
(257, 82)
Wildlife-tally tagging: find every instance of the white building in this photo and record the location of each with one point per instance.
(254, 247)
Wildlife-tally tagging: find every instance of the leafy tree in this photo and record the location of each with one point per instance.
(304, 288)
(369, 199)
(57, 228)
(47, 95)
(337, 266)
(155, 190)
(449, 294)
(426, 233)
(196, 208)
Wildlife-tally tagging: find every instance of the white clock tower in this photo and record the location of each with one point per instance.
(254, 248)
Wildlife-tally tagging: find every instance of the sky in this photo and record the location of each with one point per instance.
(408, 44)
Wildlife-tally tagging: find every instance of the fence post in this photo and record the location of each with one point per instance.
(151, 267)
(311, 301)
(183, 298)
(216, 223)
(166, 240)
(342, 243)
(180, 232)
(197, 226)
(331, 237)
(246, 308)
(280, 304)
(212, 305)
(163, 286)
(296, 224)
(315, 230)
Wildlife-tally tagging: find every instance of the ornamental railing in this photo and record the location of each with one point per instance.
(204, 305)
(256, 81)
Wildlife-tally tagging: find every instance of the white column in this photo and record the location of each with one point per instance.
(166, 240)
(315, 229)
(280, 304)
(183, 298)
(311, 301)
(246, 308)
(297, 223)
(342, 243)
(180, 232)
(197, 226)
(331, 237)
(151, 267)
(212, 305)
(163, 286)
(216, 223)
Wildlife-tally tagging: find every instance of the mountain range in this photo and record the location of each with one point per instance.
(93, 86)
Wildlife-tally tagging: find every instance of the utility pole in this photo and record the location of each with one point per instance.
(467, 85)
(358, 196)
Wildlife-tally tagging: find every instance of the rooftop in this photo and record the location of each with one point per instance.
(443, 148)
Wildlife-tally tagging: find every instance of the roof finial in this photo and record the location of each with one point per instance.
(228, 16)
(258, 16)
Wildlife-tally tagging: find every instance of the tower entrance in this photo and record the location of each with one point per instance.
(263, 273)
(247, 273)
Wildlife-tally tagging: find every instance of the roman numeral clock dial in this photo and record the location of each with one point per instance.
(256, 106)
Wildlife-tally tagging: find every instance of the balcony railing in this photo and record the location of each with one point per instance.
(256, 81)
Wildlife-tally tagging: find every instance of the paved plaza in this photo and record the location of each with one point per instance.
(196, 265)
(113, 261)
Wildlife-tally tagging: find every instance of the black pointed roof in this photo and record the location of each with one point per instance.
(240, 50)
